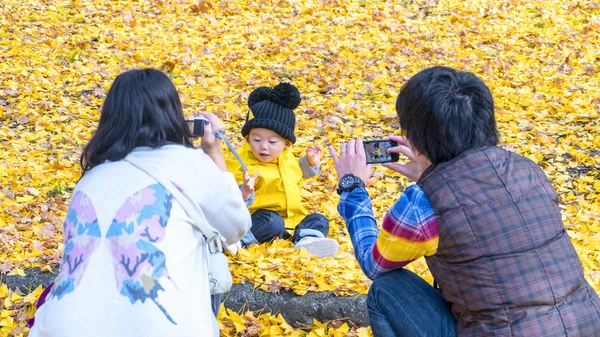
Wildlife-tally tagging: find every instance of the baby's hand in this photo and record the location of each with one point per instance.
(248, 186)
(313, 153)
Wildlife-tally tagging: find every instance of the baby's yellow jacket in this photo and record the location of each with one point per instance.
(277, 187)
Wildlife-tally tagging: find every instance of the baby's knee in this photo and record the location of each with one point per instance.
(319, 219)
(264, 220)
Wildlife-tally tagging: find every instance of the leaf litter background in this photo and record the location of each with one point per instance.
(349, 60)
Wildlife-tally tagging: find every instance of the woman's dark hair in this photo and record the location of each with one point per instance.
(142, 108)
(444, 112)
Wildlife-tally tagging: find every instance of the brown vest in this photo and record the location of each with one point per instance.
(505, 262)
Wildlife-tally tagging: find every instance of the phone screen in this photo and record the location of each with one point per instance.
(376, 151)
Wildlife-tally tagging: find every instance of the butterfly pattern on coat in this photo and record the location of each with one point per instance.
(82, 237)
(137, 227)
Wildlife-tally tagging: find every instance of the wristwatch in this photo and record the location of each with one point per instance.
(348, 183)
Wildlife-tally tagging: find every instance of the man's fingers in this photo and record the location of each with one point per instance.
(400, 149)
(255, 175)
(351, 147)
(394, 167)
(402, 169)
(406, 151)
(360, 149)
(401, 140)
(334, 155)
(397, 138)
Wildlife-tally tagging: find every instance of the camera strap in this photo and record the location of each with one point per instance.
(221, 135)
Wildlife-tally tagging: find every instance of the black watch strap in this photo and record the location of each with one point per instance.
(348, 183)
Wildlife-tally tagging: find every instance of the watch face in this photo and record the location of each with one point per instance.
(347, 181)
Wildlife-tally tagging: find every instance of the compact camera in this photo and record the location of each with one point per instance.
(196, 125)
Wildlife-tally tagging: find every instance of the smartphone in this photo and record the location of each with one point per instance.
(196, 125)
(376, 151)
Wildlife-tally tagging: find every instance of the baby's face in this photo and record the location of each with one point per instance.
(266, 145)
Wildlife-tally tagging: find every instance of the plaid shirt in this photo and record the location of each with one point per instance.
(409, 230)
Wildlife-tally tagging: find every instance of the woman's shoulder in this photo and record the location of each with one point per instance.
(169, 158)
(177, 149)
(172, 155)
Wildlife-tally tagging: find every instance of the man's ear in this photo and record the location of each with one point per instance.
(417, 152)
(419, 156)
(414, 150)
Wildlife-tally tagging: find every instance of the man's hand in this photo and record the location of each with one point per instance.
(313, 153)
(352, 160)
(248, 186)
(411, 170)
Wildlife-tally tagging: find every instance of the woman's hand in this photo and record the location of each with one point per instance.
(313, 153)
(211, 144)
(248, 186)
(412, 169)
(352, 160)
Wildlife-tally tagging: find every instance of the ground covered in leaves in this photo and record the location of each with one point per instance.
(348, 58)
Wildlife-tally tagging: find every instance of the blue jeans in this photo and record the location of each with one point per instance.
(267, 225)
(400, 303)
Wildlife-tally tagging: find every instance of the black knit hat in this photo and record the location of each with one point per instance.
(273, 109)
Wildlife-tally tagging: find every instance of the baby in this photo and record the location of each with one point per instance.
(272, 192)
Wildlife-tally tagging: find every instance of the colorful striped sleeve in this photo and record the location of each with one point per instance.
(409, 230)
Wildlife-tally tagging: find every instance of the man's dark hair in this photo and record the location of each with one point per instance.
(142, 108)
(444, 112)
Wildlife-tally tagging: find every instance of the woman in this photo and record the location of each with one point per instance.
(134, 263)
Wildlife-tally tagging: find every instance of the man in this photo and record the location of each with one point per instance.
(486, 220)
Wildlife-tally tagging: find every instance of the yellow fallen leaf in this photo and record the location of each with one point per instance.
(16, 271)
(34, 295)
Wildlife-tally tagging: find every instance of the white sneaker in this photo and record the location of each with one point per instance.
(320, 247)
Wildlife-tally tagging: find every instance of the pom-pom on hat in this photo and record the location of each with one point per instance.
(273, 109)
